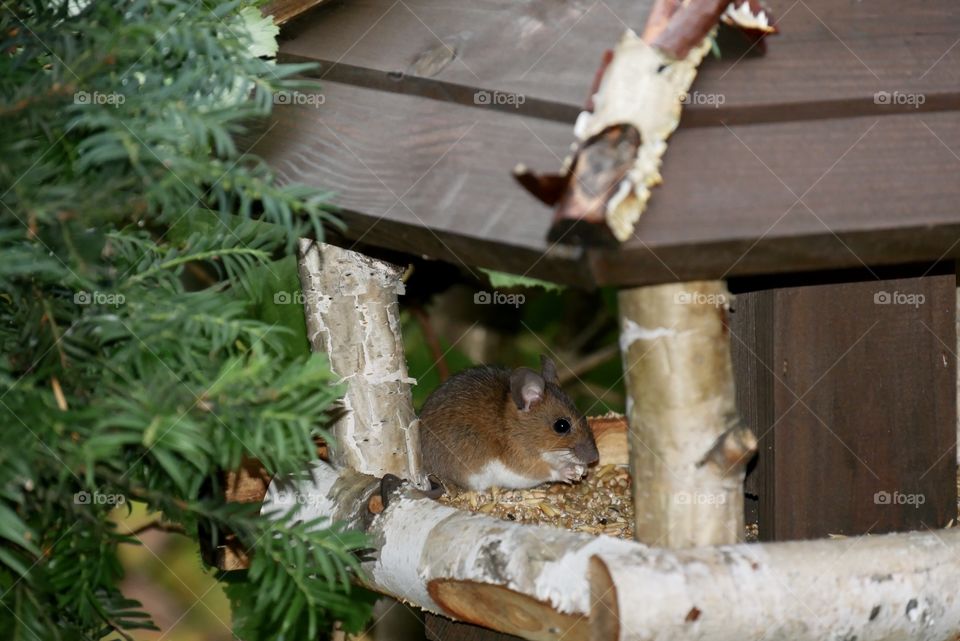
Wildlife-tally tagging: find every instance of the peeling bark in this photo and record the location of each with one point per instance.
(633, 108)
(352, 315)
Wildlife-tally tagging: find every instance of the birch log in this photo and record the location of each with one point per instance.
(352, 315)
(688, 453)
(876, 588)
(535, 582)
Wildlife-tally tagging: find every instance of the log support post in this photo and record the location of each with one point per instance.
(688, 450)
(352, 315)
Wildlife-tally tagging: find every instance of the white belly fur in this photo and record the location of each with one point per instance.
(495, 473)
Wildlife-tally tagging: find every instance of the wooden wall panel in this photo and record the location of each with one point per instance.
(857, 415)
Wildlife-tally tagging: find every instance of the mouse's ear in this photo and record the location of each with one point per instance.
(548, 370)
(526, 388)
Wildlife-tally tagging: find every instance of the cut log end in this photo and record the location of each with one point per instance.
(604, 610)
(502, 609)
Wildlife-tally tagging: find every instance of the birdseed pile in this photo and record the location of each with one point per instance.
(599, 504)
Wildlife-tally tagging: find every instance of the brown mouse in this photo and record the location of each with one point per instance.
(491, 426)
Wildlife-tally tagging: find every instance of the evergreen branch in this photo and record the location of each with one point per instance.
(125, 373)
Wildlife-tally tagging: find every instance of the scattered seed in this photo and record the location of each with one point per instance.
(600, 504)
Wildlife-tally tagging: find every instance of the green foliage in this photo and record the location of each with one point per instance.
(292, 612)
(143, 349)
(506, 281)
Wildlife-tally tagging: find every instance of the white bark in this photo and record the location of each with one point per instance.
(687, 451)
(879, 588)
(535, 582)
(353, 316)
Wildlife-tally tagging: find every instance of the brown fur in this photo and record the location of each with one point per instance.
(472, 419)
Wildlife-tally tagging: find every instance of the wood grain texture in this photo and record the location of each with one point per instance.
(797, 197)
(501, 608)
(425, 177)
(751, 351)
(286, 10)
(850, 398)
(440, 628)
(829, 59)
(432, 178)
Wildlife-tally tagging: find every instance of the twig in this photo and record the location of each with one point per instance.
(54, 331)
(173, 528)
(201, 274)
(599, 322)
(588, 362)
(58, 394)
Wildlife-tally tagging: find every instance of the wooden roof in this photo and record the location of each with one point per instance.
(799, 168)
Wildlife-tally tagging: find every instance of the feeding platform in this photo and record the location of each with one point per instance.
(818, 181)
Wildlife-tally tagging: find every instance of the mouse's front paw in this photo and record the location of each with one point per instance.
(573, 473)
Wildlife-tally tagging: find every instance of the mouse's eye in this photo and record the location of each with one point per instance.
(561, 426)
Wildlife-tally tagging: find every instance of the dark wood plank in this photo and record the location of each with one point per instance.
(831, 58)
(751, 350)
(440, 628)
(426, 177)
(285, 10)
(879, 191)
(874, 191)
(870, 445)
